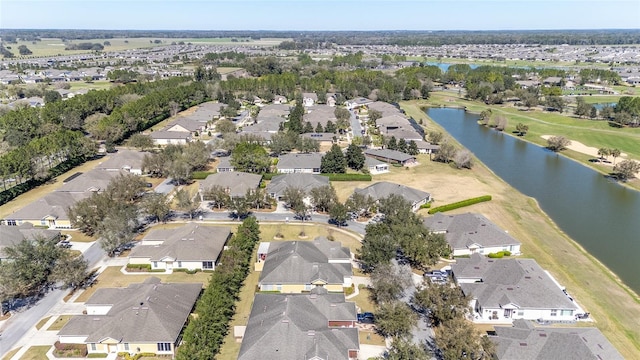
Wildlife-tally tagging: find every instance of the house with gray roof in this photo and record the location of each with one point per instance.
(185, 124)
(145, 317)
(13, 235)
(50, 211)
(471, 233)
(163, 137)
(391, 156)
(324, 139)
(302, 181)
(299, 163)
(298, 266)
(320, 114)
(384, 189)
(524, 341)
(93, 181)
(425, 147)
(235, 183)
(309, 99)
(191, 246)
(503, 290)
(125, 160)
(375, 166)
(384, 108)
(315, 326)
(357, 102)
(225, 165)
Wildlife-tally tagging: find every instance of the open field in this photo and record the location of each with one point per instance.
(55, 47)
(614, 307)
(593, 133)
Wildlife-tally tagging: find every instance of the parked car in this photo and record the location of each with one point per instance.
(366, 317)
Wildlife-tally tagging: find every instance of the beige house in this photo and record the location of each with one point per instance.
(142, 318)
(190, 247)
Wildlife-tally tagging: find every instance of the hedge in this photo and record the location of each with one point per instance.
(348, 177)
(425, 206)
(139, 266)
(499, 254)
(200, 175)
(460, 204)
(97, 355)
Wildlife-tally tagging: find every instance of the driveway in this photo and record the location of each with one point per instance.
(165, 187)
(356, 128)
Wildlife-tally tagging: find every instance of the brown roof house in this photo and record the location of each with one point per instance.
(142, 318)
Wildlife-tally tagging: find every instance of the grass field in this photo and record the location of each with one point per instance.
(55, 47)
(36, 353)
(60, 322)
(614, 307)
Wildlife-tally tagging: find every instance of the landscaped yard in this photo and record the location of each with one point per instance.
(36, 353)
(112, 277)
(60, 322)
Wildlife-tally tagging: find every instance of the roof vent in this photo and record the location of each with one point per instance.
(311, 333)
(542, 335)
(509, 288)
(523, 344)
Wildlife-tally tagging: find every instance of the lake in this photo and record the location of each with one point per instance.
(599, 214)
(445, 66)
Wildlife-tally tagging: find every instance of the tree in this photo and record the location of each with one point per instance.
(307, 145)
(185, 201)
(412, 148)
(557, 143)
(435, 137)
(355, 157)
(446, 153)
(225, 126)
(51, 96)
(374, 115)
(330, 127)
(239, 206)
(395, 319)
(319, 128)
(140, 141)
(338, 213)
(250, 157)
(180, 172)
(70, 269)
(555, 102)
(501, 122)
(615, 153)
(522, 129)
(603, 152)
(443, 302)
(333, 161)
(389, 280)
(593, 112)
(118, 228)
(156, 205)
(196, 154)
(626, 169)
(582, 108)
(392, 144)
(485, 116)
(378, 247)
(463, 159)
(323, 197)
(458, 339)
(24, 50)
(402, 349)
(308, 128)
(402, 145)
(360, 204)
(280, 143)
(217, 195)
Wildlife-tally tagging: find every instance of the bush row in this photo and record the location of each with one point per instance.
(200, 175)
(499, 254)
(139, 266)
(215, 308)
(459, 204)
(332, 177)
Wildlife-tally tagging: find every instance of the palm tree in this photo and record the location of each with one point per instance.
(602, 152)
(615, 153)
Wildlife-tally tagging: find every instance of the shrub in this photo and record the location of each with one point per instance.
(425, 206)
(139, 266)
(184, 270)
(497, 255)
(349, 290)
(460, 204)
(200, 175)
(348, 177)
(97, 355)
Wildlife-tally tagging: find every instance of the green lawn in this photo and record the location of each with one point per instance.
(36, 353)
(60, 322)
(42, 321)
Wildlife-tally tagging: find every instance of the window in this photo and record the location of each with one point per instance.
(43, 222)
(155, 264)
(179, 264)
(521, 313)
(93, 346)
(126, 346)
(164, 346)
(566, 312)
(554, 312)
(12, 223)
(207, 264)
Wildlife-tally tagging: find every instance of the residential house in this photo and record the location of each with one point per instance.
(162, 137)
(323, 139)
(50, 211)
(302, 181)
(391, 156)
(309, 99)
(299, 163)
(90, 182)
(124, 160)
(320, 114)
(279, 99)
(185, 124)
(314, 326)
(357, 102)
(470, 233)
(524, 341)
(299, 266)
(235, 183)
(146, 317)
(503, 290)
(384, 189)
(225, 165)
(427, 148)
(191, 246)
(375, 166)
(13, 235)
(331, 100)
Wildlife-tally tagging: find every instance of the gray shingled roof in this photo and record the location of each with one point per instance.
(383, 189)
(191, 242)
(236, 182)
(162, 134)
(145, 312)
(301, 262)
(385, 108)
(13, 235)
(54, 204)
(389, 154)
(468, 229)
(523, 341)
(299, 161)
(295, 326)
(301, 181)
(519, 281)
(92, 181)
(123, 158)
(187, 123)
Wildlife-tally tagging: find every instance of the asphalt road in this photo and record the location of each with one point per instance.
(356, 129)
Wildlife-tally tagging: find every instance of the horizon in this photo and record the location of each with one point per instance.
(314, 15)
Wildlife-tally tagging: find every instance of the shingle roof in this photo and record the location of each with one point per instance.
(521, 282)
(468, 229)
(389, 154)
(13, 235)
(54, 204)
(299, 161)
(383, 189)
(295, 326)
(161, 134)
(236, 182)
(385, 109)
(525, 342)
(301, 262)
(123, 158)
(191, 242)
(145, 312)
(301, 181)
(92, 181)
(186, 123)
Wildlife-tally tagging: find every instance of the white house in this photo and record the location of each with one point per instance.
(299, 163)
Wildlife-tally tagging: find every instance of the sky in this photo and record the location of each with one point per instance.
(320, 15)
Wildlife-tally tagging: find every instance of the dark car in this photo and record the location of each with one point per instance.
(366, 317)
